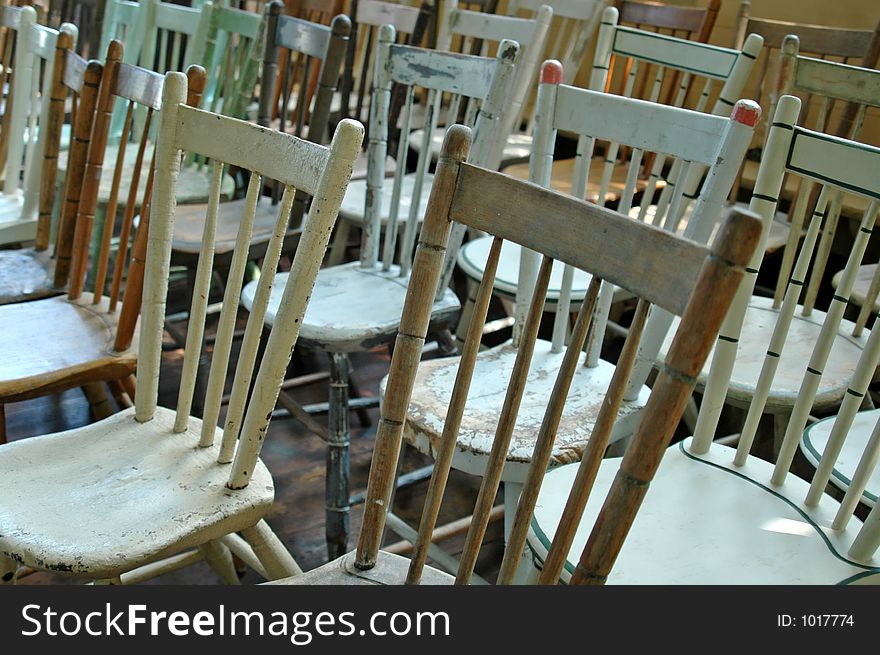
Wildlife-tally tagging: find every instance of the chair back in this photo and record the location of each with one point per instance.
(320, 171)
(475, 86)
(679, 275)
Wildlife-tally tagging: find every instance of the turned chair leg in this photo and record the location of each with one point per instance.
(8, 568)
(219, 558)
(98, 401)
(274, 557)
(337, 483)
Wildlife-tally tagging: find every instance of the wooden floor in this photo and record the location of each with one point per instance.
(295, 457)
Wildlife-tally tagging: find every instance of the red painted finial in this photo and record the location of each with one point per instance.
(551, 72)
(747, 112)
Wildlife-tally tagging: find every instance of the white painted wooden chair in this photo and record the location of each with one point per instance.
(150, 484)
(672, 272)
(300, 46)
(682, 138)
(41, 270)
(459, 32)
(719, 515)
(647, 64)
(356, 92)
(475, 32)
(357, 305)
(27, 108)
(744, 336)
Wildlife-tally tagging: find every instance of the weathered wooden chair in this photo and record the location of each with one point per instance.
(743, 339)
(31, 272)
(685, 23)
(476, 32)
(305, 45)
(192, 484)
(726, 504)
(652, 63)
(313, 11)
(571, 33)
(681, 137)
(460, 30)
(89, 337)
(698, 285)
(573, 28)
(234, 48)
(29, 51)
(356, 306)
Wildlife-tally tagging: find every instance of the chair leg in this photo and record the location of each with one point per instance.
(336, 489)
(277, 560)
(2, 424)
(98, 401)
(362, 413)
(219, 558)
(8, 568)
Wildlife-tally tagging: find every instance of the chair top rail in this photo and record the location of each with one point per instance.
(598, 237)
(303, 36)
(467, 75)
(662, 128)
(376, 13)
(250, 146)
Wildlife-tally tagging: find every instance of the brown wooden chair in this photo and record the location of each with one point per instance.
(679, 275)
(90, 337)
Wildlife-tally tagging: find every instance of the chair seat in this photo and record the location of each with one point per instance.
(352, 309)
(25, 275)
(354, 201)
(563, 169)
(738, 529)
(758, 325)
(815, 440)
(108, 497)
(193, 185)
(390, 569)
(517, 148)
(189, 222)
(861, 286)
(472, 258)
(54, 344)
(433, 389)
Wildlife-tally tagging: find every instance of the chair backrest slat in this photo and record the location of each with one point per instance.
(456, 197)
(79, 79)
